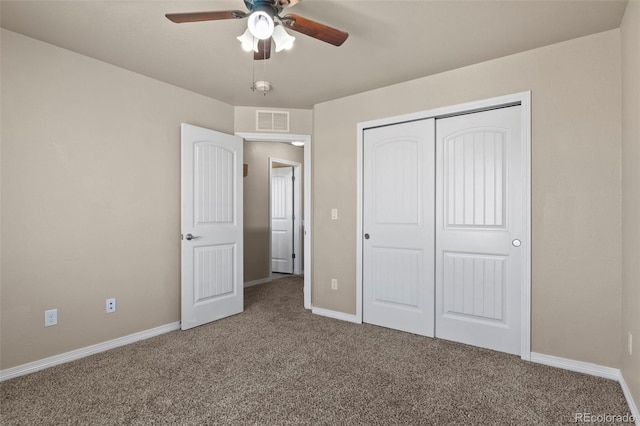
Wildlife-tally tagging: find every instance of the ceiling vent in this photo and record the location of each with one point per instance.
(272, 121)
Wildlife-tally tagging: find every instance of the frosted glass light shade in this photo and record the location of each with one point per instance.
(260, 24)
(283, 40)
(249, 42)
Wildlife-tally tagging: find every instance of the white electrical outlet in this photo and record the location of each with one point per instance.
(111, 305)
(50, 317)
(334, 214)
(630, 343)
(334, 284)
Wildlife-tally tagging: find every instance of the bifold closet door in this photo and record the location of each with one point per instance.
(398, 226)
(479, 229)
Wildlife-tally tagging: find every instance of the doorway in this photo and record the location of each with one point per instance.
(306, 216)
(475, 287)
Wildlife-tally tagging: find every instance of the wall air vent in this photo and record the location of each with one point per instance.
(272, 121)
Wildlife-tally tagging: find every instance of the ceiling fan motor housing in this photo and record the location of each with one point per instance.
(269, 6)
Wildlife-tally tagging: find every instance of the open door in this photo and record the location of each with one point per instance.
(212, 248)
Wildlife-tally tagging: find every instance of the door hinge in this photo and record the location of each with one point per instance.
(293, 178)
(293, 255)
(181, 237)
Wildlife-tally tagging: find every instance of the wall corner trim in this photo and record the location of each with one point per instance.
(592, 370)
(63, 358)
(336, 315)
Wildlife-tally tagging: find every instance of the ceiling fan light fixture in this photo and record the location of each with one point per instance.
(249, 42)
(261, 24)
(283, 40)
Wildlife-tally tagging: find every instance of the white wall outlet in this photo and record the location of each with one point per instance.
(334, 284)
(50, 317)
(111, 305)
(334, 214)
(630, 343)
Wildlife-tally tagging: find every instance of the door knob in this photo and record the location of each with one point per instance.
(366, 236)
(191, 237)
(516, 243)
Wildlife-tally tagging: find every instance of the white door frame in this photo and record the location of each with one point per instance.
(523, 99)
(306, 217)
(296, 212)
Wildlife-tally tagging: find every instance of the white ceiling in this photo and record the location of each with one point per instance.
(390, 41)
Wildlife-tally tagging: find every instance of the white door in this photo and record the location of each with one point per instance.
(212, 258)
(479, 229)
(398, 226)
(282, 220)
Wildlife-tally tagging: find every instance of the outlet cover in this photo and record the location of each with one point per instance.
(50, 317)
(334, 284)
(110, 306)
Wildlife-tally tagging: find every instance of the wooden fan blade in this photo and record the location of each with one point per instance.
(264, 50)
(180, 18)
(315, 29)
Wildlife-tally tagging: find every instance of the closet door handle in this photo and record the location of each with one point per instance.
(190, 237)
(366, 236)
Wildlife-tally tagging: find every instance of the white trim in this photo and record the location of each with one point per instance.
(336, 315)
(577, 366)
(296, 212)
(525, 307)
(279, 137)
(523, 99)
(630, 402)
(257, 282)
(34, 366)
(592, 370)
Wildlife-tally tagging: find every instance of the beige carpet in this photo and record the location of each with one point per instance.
(278, 364)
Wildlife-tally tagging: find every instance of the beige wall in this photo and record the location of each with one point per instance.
(630, 37)
(90, 191)
(576, 201)
(257, 264)
(300, 120)
(90, 198)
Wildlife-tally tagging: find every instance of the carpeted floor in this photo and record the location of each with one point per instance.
(276, 363)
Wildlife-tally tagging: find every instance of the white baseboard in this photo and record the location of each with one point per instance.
(632, 405)
(578, 366)
(34, 366)
(593, 370)
(335, 314)
(256, 282)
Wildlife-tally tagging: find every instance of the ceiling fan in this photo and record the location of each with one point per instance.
(265, 22)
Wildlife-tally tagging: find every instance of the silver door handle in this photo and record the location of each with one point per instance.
(190, 237)
(516, 243)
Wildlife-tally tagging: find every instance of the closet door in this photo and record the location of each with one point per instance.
(398, 227)
(479, 228)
